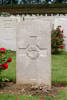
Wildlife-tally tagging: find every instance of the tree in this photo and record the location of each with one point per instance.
(55, 1)
(22, 1)
(2, 1)
(38, 1)
(11, 1)
(47, 1)
(59, 1)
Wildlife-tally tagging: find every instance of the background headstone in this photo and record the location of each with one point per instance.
(8, 28)
(8, 32)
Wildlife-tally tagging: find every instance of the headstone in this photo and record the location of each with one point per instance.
(33, 52)
(8, 32)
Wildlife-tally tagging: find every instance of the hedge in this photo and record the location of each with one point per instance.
(25, 6)
(34, 9)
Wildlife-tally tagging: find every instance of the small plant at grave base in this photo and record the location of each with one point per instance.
(42, 98)
(62, 87)
(17, 99)
(57, 40)
(4, 60)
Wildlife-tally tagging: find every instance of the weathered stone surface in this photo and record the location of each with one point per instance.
(34, 52)
(8, 32)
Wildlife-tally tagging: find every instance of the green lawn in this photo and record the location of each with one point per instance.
(59, 76)
(62, 96)
(59, 69)
(12, 97)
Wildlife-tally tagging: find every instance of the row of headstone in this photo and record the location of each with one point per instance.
(43, 15)
(8, 28)
(60, 15)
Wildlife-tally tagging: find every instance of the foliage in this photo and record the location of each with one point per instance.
(59, 1)
(30, 6)
(34, 9)
(5, 14)
(30, 1)
(57, 39)
(4, 60)
(9, 1)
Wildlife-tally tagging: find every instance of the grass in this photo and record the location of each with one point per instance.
(59, 69)
(62, 95)
(12, 97)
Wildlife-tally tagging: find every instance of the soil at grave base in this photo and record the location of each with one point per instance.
(13, 88)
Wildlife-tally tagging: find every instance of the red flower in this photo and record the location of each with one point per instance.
(17, 99)
(9, 60)
(62, 31)
(61, 46)
(2, 49)
(61, 40)
(62, 87)
(42, 98)
(5, 66)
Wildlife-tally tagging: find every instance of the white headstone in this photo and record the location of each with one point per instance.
(8, 32)
(34, 52)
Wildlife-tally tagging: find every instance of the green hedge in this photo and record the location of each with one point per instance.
(35, 9)
(34, 6)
